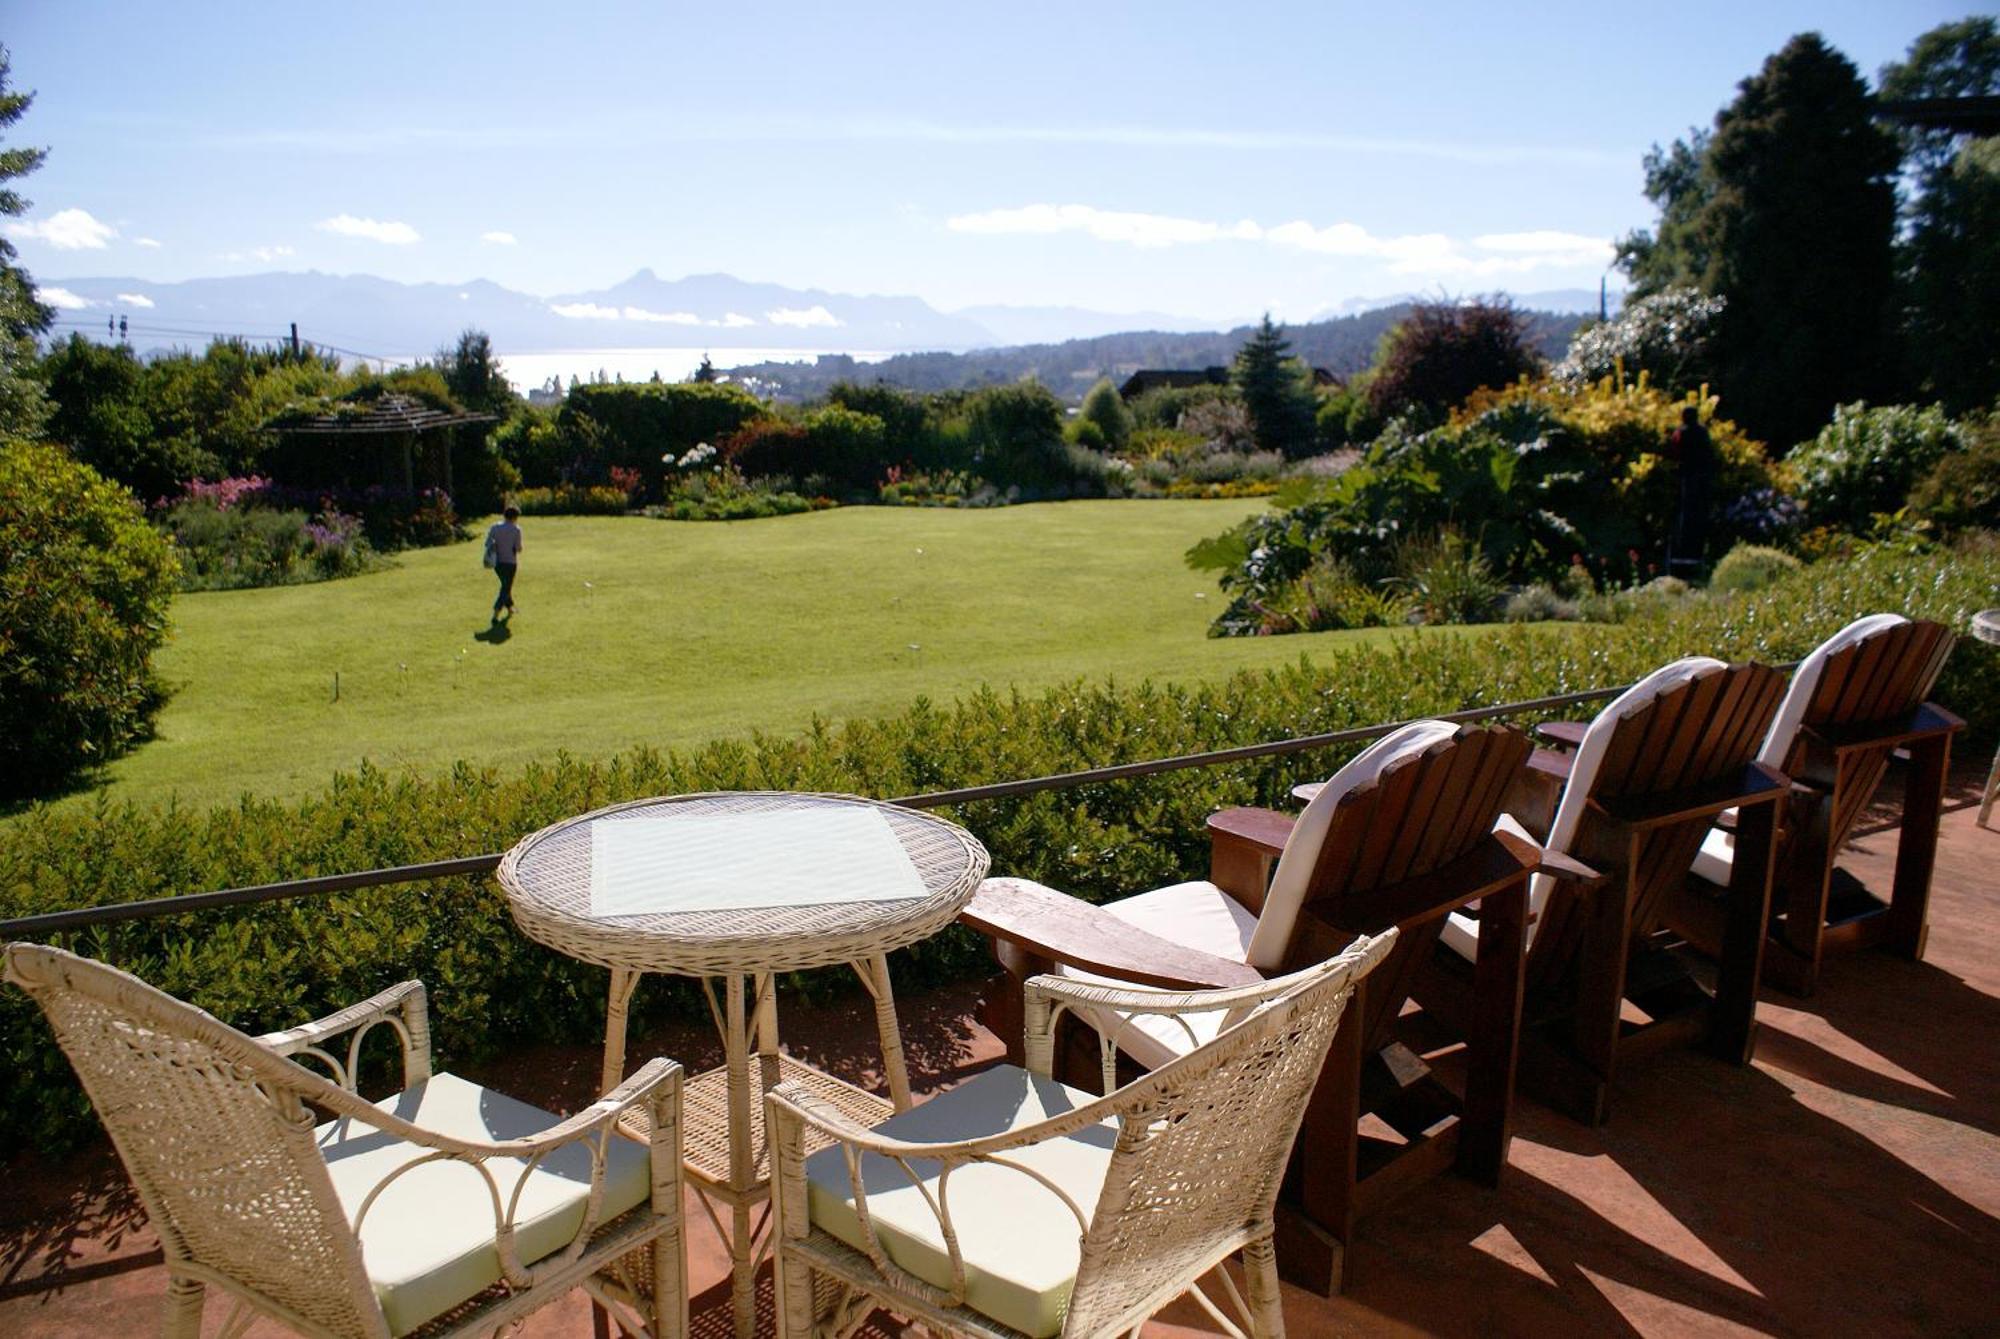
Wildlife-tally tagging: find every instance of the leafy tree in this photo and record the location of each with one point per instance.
(1949, 260)
(1951, 281)
(1952, 60)
(1103, 406)
(84, 588)
(103, 411)
(1444, 351)
(705, 373)
(1786, 212)
(1673, 253)
(1277, 390)
(22, 316)
(473, 377)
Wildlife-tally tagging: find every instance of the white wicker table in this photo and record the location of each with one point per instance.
(547, 877)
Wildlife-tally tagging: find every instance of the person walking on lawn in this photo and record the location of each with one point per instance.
(503, 555)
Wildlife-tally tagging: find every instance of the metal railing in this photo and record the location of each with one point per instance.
(80, 918)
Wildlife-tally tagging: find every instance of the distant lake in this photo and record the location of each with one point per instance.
(529, 371)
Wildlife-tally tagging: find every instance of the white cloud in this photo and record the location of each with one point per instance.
(802, 318)
(668, 318)
(385, 231)
(263, 253)
(499, 238)
(1412, 253)
(735, 321)
(1149, 230)
(584, 311)
(62, 297)
(146, 242)
(66, 230)
(135, 299)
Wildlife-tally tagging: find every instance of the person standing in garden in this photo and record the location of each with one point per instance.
(503, 555)
(1693, 451)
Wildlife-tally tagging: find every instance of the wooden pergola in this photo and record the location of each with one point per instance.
(400, 432)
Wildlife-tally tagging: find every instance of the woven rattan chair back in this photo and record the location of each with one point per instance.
(1202, 1144)
(217, 1136)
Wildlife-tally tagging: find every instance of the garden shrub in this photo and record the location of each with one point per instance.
(1962, 490)
(1538, 604)
(573, 500)
(277, 963)
(1105, 410)
(1444, 351)
(1865, 461)
(84, 588)
(1541, 476)
(1446, 580)
(634, 424)
(221, 547)
(1751, 567)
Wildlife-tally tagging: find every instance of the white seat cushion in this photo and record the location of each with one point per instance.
(1195, 915)
(1717, 857)
(1020, 1243)
(427, 1240)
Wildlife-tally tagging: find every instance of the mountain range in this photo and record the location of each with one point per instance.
(377, 318)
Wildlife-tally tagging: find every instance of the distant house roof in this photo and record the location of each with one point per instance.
(383, 416)
(1152, 378)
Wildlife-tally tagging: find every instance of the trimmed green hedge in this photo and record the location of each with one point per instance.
(274, 965)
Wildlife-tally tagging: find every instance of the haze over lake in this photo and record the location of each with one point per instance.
(527, 371)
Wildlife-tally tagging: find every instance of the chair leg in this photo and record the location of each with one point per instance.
(792, 1279)
(1260, 1278)
(1986, 796)
(670, 1292)
(182, 1316)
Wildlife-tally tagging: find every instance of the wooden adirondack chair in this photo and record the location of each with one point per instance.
(1400, 837)
(1645, 785)
(1852, 703)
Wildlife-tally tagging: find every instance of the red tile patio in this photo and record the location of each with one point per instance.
(1846, 1183)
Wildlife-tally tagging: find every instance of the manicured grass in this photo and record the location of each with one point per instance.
(635, 631)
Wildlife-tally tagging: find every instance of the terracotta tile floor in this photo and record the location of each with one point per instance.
(1846, 1183)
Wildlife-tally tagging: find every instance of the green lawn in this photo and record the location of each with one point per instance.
(637, 631)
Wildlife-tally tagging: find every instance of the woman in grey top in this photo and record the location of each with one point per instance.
(503, 549)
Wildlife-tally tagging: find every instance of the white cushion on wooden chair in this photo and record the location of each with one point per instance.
(1020, 1243)
(1717, 856)
(427, 1241)
(1195, 915)
(1201, 916)
(1461, 932)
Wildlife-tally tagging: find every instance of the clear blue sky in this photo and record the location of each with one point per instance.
(1208, 160)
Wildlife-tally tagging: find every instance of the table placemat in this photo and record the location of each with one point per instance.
(721, 862)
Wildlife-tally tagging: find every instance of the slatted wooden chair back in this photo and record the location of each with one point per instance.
(1703, 731)
(1421, 813)
(1882, 678)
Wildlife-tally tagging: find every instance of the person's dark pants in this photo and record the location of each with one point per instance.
(505, 599)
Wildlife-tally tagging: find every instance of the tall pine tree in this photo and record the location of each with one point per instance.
(1276, 391)
(22, 317)
(1788, 213)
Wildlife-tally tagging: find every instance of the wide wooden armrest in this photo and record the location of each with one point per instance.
(1928, 720)
(1757, 783)
(1265, 829)
(1551, 764)
(1568, 734)
(1059, 928)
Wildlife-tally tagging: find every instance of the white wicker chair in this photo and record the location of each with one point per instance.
(1014, 1206)
(447, 1209)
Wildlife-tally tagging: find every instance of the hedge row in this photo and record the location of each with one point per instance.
(276, 964)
